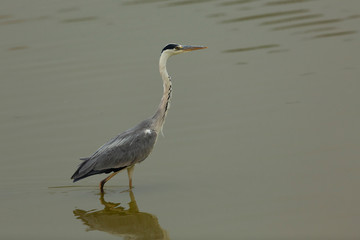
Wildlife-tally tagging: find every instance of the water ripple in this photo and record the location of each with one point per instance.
(83, 19)
(186, 2)
(265, 15)
(306, 24)
(16, 21)
(235, 2)
(335, 34)
(136, 2)
(292, 19)
(251, 48)
(5, 16)
(18, 48)
(286, 2)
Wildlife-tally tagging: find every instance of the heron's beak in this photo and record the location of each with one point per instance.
(188, 48)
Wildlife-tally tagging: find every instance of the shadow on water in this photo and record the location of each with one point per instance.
(117, 220)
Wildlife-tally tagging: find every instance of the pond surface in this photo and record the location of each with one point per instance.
(261, 141)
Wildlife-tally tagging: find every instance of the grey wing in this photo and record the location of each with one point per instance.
(124, 150)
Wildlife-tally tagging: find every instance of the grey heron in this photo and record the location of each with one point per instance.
(134, 145)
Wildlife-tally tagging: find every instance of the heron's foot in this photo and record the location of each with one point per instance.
(102, 183)
(101, 186)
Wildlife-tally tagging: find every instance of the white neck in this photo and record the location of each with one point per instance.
(161, 112)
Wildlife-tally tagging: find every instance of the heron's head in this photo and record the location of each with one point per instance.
(173, 49)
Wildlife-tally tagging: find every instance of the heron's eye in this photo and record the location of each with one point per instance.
(177, 48)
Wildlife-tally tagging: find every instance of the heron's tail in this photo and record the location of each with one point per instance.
(82, 171)
(75, 179)
(85, 169)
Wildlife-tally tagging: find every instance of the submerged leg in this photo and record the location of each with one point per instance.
(130, 171)
(102, 183)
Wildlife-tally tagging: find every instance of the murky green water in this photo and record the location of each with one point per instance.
(261, 141)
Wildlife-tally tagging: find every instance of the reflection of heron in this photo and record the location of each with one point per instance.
(130, 223)
(135, 144)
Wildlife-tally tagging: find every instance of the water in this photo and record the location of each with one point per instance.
(261, 141)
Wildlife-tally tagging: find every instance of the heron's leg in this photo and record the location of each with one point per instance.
(102, 183)
(130, 171)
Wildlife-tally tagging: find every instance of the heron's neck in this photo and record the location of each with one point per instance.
(160, 114)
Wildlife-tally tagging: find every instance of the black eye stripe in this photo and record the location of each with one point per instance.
(170, 46)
